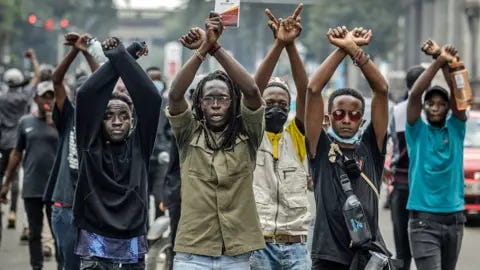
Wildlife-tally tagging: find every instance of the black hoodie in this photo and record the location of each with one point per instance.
(111, 195)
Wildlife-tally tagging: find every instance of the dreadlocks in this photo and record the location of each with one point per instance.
(234, 125)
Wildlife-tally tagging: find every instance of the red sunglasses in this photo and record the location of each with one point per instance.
(354, 116)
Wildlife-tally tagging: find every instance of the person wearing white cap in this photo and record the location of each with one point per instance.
(14, 103)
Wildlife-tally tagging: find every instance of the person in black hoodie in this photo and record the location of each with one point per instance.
(110, 204)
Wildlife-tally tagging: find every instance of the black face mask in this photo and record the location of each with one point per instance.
(275, 118)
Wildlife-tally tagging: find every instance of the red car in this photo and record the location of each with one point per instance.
(472, 165)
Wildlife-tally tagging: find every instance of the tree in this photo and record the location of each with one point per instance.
(94, 16)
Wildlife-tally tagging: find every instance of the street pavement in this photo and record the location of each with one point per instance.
(14, 256)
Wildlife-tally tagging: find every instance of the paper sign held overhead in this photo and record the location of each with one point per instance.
(229, 10)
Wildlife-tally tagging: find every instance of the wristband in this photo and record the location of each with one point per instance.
(360, 58)
(214, 48)
(199, 55)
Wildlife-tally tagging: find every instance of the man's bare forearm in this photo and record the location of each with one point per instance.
(265, 70)
(58, 76)
(238, 74)
(176, 97)
(300, 79)
(92, 63)
(13, 163)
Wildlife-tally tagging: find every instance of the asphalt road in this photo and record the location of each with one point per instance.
(14, 256)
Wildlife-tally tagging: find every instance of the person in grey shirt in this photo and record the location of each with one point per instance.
(14, 103)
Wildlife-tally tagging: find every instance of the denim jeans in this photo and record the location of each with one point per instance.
(66, 234)
(435, 240)
(188, 261)
(93, 263)
(281, 256)
(398, 207)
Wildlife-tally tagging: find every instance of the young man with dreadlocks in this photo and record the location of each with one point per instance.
(110, 203)
(217, 141)
(435, 147)
(342, 151)
(280, 176)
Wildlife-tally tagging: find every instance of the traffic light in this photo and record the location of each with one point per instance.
(49, 24)
(64, 23)
(32, 19)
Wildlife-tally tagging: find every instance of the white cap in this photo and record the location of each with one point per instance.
(44, 87)
(13, 77)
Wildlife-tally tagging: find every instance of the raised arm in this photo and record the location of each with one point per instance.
(379, 86)
(145, 96)
(30, 54)
(251, 95)
(82, 45)
(61, 69)
(314, 110)
(290, 29)
(414, 108)
(93, 97)
(265, 69)
(460, 114)
(176, 97)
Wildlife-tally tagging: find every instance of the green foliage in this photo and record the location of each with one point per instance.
(96, 17)
(9, 12)
(379, 15)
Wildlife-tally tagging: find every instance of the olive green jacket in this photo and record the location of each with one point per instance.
(218, 205)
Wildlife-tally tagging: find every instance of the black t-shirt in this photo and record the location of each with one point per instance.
(38, 141)
(331, 238)
(63, 177)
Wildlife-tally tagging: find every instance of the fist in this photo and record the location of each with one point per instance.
(448, 54)
(214, 27)
(194, 38)
(71, 38)
(343, 39)
(82, 42)
(30, 54)
(361, 36)
(431, 48)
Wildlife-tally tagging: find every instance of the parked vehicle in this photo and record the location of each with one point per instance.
(472, 166)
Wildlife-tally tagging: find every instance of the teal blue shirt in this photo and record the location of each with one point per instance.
(436, 166)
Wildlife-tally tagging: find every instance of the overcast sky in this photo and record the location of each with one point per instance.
(147, 3)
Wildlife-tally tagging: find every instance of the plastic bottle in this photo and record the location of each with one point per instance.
(461, 85)
(95, 50)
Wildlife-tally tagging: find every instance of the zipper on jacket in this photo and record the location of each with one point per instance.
(277, 176)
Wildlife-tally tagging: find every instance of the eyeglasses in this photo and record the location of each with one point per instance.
(354, 116)
(220, 100)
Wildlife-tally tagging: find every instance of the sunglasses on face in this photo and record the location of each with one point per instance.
(339, 115)
(220, 100)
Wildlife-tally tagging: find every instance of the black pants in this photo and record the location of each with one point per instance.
(4, 158)
(174, 212)
(327, 265)
(435, 239)
(93, 263)
(34, 209)
(399, 214)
